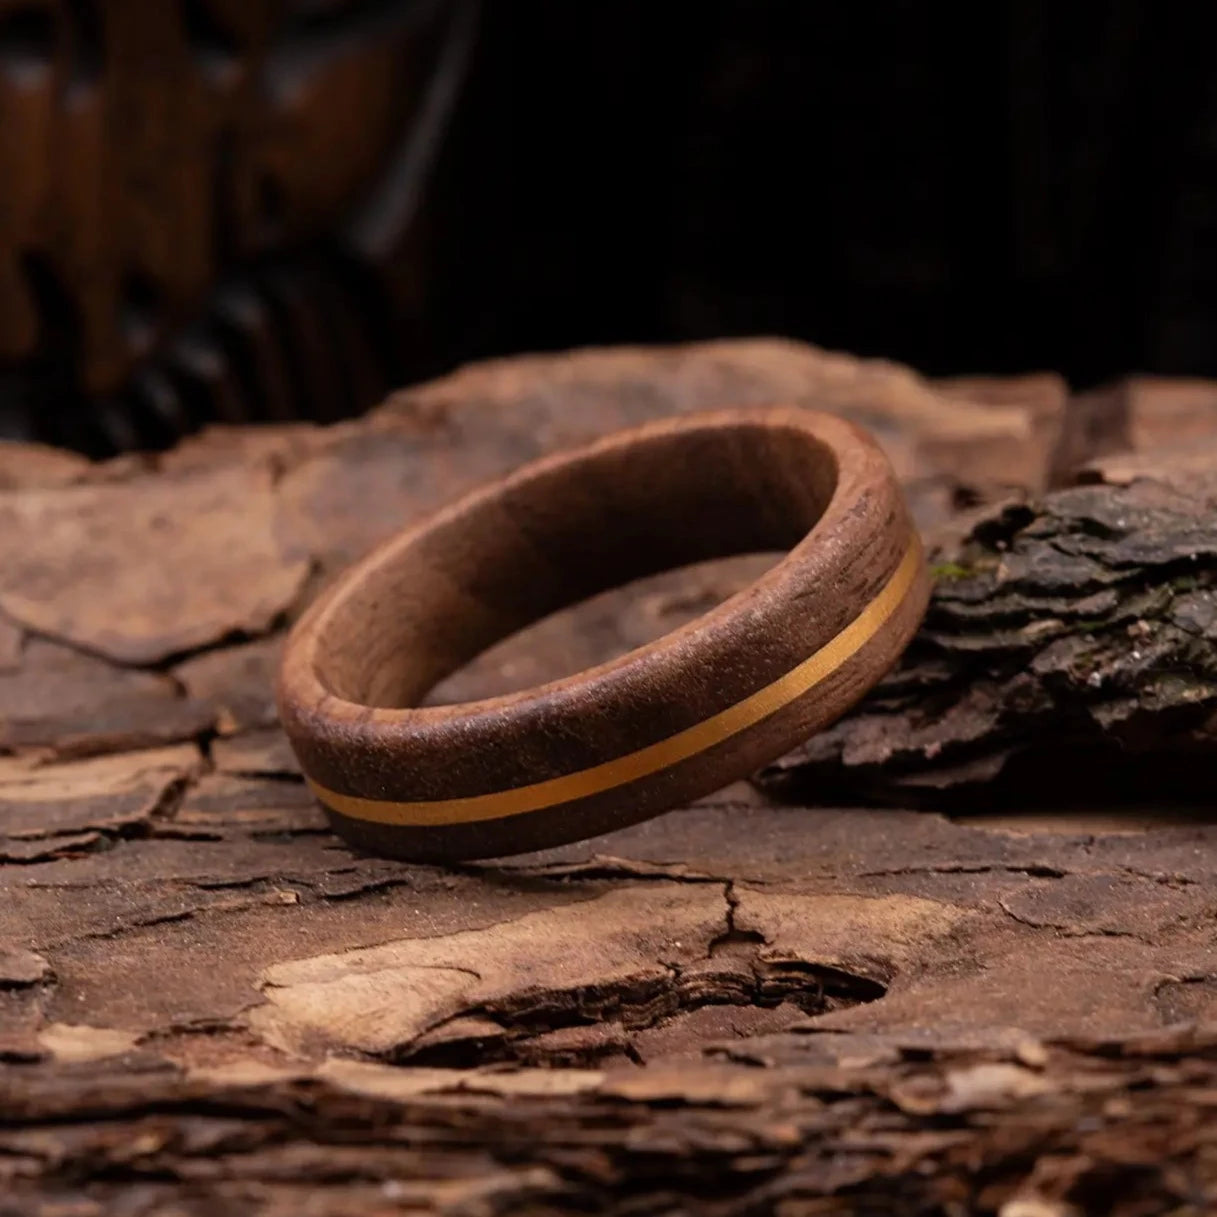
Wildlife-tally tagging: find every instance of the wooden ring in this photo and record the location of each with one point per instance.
(670, 721)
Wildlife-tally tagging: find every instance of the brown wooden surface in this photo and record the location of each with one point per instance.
(789, 998)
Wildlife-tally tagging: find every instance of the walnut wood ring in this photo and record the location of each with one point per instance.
(666, 723)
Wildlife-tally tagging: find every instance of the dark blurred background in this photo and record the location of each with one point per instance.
(968, 188)
(984, 187)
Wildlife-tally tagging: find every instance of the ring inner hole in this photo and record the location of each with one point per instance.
(617, 515)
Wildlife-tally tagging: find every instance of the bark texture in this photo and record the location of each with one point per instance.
(807, 995)
(1071, 647)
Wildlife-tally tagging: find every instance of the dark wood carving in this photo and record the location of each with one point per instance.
(208, 206)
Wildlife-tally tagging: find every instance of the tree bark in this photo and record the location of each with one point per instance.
(806, 995)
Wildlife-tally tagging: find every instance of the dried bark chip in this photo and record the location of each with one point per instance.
(367, 485)
(11, 641)
(264, 753)
(103, 794)
(1044, 399)
(20, 968)
(431, 442)
(74, 1043)
(1041, 984)
(225, 804)
(1168, 410)
(1133, 417)
(45, 849)
(527, 963)
(222, 445)
(382, 1081)
(937, 439)
(1095, 425)
(33, 466)
(1086, 620)
(1105, 904)
(59, 700)
(1189, 466)
(140, 569)
(237, 683)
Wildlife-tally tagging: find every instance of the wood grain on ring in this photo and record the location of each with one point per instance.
(668, 722)
(659, 755)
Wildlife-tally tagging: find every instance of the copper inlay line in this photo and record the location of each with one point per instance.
(661, 755)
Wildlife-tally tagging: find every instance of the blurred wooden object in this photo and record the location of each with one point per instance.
(210, 208)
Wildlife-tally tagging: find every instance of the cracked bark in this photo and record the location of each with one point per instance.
(804, 995)
(1071, 649)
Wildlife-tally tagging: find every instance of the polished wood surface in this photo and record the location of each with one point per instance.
(677, 718)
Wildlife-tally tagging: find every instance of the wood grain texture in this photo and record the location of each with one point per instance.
(668, 722)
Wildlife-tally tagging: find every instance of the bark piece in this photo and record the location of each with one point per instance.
(229, 803)
(1137, 415)
(19, 968)
(237, 683)
(913, 1136)
(44, 849)
(516, 971)
(264, 753)
(1071, 646)
(220, 446)
(1191, 465)
(141, 569)
(32, 466)
(1042, 397)
(940, 441)
(591, 960)
(11, 641)
(111, 794)
(1095, 426)
(73, 1044)
(55, 699)
(1165, 410)
(429, 443)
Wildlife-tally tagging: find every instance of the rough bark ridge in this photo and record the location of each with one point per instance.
(792, 997)
(1081, 628)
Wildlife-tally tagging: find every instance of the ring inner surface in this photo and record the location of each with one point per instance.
(568, 532)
